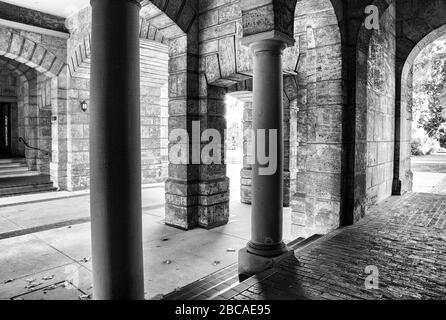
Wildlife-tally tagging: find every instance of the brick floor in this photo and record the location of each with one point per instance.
(404, 238)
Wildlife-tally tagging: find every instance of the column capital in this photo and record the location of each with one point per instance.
(135, 2)
(270, 37)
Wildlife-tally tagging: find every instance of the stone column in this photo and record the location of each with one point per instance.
(115, 151)
(267, 188)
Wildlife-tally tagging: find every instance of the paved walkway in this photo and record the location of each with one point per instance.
(429, 173)
(45, 253)
(45, 245)
(402, 242)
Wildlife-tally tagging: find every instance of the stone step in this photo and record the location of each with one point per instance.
(208, 286)
(12, 160)
(234, 290)
(34, 183)
(17, 174)
(13, 165)
(13, 169)
(224, 282)
(37, 188)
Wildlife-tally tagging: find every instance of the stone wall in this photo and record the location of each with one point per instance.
(154, 115)
(46, 95)
(154, 104)
(8, 83)
(320, 98)
(381, 110)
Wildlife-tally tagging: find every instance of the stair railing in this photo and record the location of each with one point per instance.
(22, 140)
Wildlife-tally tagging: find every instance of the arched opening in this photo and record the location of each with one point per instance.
(154, 97)
(31, 96)
(238, 144)
(424, 93)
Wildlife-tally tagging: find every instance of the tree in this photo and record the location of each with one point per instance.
(429, 90)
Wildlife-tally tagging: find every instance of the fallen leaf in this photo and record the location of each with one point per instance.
(46, 278)
(33, 285)
(167, 262)
(53, 287)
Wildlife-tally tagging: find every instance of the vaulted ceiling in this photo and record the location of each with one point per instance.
(61, 8)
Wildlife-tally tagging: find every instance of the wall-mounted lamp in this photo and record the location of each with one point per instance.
(84, 106)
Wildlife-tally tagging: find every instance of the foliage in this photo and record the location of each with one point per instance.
(422, 144)
(429, 107)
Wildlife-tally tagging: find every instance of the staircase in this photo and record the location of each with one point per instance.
(17, 179)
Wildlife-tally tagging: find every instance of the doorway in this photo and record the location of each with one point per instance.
(5, 129)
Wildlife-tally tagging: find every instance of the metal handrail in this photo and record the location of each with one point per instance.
(22, 140)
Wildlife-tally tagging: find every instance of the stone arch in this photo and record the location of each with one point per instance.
(22, 71)
(412, 22)
(213, 95)
(51, 71)
(244, 94)
(182, 15)
(25, 77)
(24, 50)
(419, 25)
(318, 94)
(175, 25)
(225, 61)
(155, 25)
(174, 29)
(357, 193)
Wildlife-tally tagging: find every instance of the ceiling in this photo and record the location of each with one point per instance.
(61, 8)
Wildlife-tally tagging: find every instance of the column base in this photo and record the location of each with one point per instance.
(214, 216)
(396, 187)
(184, 218)
(250, 264)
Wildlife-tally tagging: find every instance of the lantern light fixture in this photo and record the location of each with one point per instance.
(84, 106)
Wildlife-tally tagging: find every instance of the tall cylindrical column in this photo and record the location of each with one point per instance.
(267, 182)
(115, 151)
